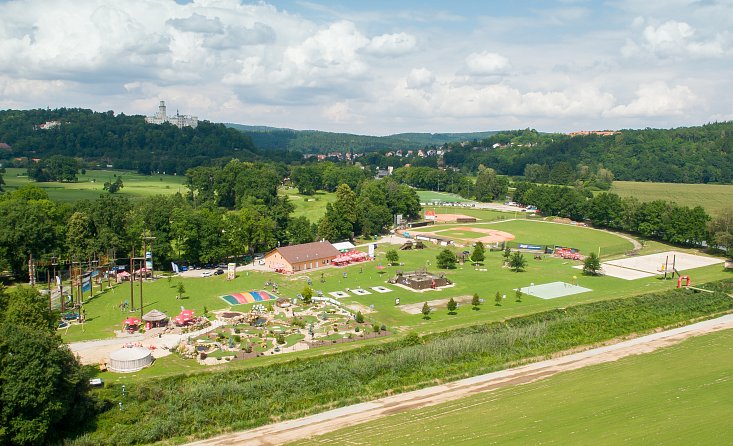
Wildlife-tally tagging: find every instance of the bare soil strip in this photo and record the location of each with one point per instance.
(322, 423)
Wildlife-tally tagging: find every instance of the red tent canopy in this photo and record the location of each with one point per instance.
(131, 321)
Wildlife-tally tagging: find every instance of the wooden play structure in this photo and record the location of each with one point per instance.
(667, 268)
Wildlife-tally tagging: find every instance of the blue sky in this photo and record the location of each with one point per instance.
(377, 67)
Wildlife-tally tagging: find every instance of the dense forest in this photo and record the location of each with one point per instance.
(126, 142)
(684, 155)
(314, 141)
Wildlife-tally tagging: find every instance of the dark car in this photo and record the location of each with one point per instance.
(219, 272)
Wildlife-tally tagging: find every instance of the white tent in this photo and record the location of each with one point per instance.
(127, 360)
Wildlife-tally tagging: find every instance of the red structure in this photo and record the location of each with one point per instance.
(683, 279)
(350, 257)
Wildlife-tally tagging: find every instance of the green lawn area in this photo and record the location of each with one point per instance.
(313, 207)
(712, 197)
(461, 234)
(103, 317)
(545, 233)
(481, 214)
(656, 398)
(91, 183)
(428, 196)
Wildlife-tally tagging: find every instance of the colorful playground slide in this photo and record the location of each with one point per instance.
(248, 297)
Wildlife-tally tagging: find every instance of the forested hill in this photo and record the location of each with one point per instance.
(701, 154)
(314, 141)
(125, 141)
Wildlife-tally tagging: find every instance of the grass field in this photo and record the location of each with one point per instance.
(712, 197)
(313, 207)
(469, 235)
(103, 317)
(656, 398)
(544, 233)
(428, 196)
(91, 184)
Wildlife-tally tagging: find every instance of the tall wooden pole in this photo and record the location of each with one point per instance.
(132, 279)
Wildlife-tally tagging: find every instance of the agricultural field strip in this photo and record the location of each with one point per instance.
(332, 420)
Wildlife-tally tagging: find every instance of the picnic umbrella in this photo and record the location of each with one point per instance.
(131, 321)
(380, 268)
(186, 315)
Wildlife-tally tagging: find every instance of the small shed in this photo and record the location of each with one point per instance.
(126, 360)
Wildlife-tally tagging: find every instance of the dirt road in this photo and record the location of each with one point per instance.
(292, 430)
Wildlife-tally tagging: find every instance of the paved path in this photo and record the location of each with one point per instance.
(331, 420)
(94, 352)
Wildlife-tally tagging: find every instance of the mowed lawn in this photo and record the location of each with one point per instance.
(655, 398)
(461, 234)
(428, 196)
(91, 184)
(712, 197)
(545, 233)
(313, 207)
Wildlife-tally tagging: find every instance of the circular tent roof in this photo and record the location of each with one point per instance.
(130, 359)
(155, 316)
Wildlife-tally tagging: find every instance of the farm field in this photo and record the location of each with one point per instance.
(91, 184)
(655, 398)
(313, 207)
(712, 197)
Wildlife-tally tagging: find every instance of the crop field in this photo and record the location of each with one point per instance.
(313, 207)
(428, 196)
(655, 398)
(712, 197)
(91, 184)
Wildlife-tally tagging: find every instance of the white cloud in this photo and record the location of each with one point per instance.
(486, 63)
(420, 78)
(391, 44)
(674, 39)
(656, 99)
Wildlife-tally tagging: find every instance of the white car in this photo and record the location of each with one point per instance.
(207, 274)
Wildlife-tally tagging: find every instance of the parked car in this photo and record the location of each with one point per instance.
(219, 272)
(207, 274)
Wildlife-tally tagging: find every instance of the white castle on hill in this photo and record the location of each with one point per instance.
(178, 120)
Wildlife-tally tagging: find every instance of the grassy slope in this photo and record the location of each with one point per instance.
(649, 399)
(135, 185)
(712, 197)
(313, 207)
(429, 195)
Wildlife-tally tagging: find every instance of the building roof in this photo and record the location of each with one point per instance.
(307, 252)
(344, 246)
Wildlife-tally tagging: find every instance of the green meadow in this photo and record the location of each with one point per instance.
(712, 197)
(655, 398)
(91, 184)
(313, 207)
(103, 315)
(428, 196)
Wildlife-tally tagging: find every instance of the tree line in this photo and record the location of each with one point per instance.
(127, 142)
(227, 213)
(702, 154)
(659, 220)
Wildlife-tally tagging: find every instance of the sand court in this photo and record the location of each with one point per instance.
(553, 290)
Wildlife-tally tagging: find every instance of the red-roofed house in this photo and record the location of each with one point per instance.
(290, 259)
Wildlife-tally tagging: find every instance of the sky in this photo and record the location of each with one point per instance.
(377, 67)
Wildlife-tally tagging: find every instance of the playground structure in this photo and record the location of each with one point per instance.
(420, 280)
(665, 269)
(412, 245)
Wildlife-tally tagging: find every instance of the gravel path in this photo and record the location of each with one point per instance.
(292, 430)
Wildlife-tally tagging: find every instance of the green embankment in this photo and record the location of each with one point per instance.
(656, 398)
(204, 404)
